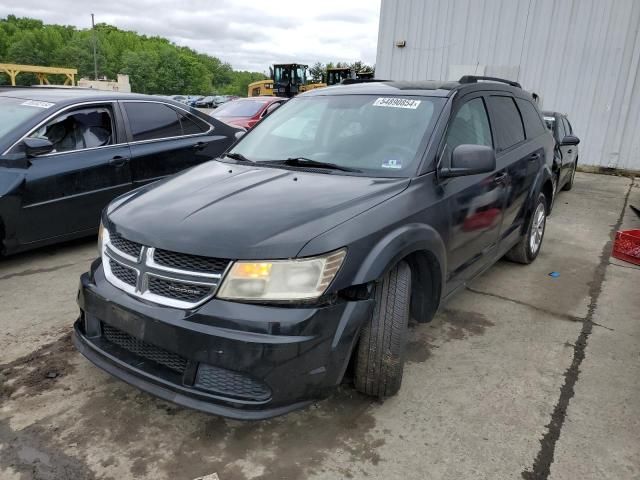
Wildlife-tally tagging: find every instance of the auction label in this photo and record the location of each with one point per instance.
(397, 102)
(36, 103)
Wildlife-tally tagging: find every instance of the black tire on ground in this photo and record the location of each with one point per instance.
(380, 355)
(569, 183)
(523, 252)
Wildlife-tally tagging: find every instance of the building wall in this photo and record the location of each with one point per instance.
(581, 56)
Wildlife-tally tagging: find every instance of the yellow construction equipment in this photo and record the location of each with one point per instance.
(335, 76)
(260, 88)
(287, 80)
(41, 72)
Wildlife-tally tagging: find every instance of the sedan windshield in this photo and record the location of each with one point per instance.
(379, 136)
(239, 108)
(14, 111)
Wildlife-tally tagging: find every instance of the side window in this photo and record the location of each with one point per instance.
(79, 129)
(532, 122)
(509, 128)
(469, 126)
(567, 126)
(150, 121)
(191, 124)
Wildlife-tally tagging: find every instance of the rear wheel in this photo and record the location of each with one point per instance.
(527, 249)
(569, 185)
(380, 355)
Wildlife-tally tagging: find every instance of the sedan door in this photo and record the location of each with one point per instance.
(166, 140)
(65, 190)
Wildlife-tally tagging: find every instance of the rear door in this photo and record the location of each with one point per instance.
(519, 157)
(569, 152)
(65, 190)
(475, 201)
(166, 140)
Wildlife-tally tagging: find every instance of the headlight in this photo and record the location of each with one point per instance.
(302, 279)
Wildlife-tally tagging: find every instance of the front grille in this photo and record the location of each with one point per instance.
(178, 290)
(232, 384)
(145, 350)
(122, 273)
(125, 246)
(194, 263)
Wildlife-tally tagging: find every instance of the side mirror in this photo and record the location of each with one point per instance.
(270, 108)
(470, 160)
(239, 134)
(34, 146)
(569, 140)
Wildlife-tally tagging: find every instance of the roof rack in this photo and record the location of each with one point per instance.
(475, 78)
(351, 81)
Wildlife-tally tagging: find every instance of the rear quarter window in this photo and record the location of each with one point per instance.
(533, 124)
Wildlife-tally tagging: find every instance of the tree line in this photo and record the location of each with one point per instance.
(154, 64)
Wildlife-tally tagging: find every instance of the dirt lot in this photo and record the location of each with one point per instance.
(520, 376)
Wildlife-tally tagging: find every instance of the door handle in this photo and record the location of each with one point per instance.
(569, 151)
(500, 178)
(199, 145)
(533, 156)
(118, 161)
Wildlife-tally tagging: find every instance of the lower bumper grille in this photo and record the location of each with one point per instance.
(145, 350)
(209, 378)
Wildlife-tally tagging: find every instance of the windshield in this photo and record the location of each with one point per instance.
(239, 108)
(14, 111)
(380, 136)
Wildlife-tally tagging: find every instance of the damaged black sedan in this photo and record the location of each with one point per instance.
(246, 286)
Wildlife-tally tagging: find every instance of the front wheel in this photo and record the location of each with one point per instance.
(527, 249)
(380, 355)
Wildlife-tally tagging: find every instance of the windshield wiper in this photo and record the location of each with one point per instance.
(307, 162)
(238, 156)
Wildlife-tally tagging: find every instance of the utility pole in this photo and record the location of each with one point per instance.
(95, 41)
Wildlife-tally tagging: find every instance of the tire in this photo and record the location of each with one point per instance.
(381, 351)
(569, 184)
(527, 249)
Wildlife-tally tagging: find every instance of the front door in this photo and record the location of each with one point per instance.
(65, 190)
(475, 202)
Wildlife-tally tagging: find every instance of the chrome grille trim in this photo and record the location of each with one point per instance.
(145, 268)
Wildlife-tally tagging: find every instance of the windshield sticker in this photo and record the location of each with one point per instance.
(396, 164)
(397, 102)
(35, 103)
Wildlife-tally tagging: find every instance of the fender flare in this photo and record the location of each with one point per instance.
(397, 245)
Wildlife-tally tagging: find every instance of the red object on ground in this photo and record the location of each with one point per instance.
(627, 246)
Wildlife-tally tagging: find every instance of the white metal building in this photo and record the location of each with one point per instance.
(581, 56)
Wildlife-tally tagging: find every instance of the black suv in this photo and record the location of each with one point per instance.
(246, 286)
(66, 153)
(566, 152)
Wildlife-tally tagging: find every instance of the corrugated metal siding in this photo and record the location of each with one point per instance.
(581, 56)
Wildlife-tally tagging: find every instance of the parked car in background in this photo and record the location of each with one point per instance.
(205, 102)
(66, 153)
(178, 98)
(245, 287)
(566, 152)
(246, 112)
(192, 99)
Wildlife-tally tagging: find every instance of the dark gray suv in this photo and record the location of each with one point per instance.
(245, 286)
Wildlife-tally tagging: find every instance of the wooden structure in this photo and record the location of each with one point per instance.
(41, 72)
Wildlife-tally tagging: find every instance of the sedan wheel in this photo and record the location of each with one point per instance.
(537, 229)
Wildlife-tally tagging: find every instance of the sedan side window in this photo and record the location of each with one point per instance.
(470, 126)
(151, 121)
(79, 129)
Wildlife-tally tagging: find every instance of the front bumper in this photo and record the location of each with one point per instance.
(231, 359)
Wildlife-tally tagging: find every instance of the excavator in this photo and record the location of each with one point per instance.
(287, 80)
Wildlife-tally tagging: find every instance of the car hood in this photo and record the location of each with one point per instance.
(244, 212)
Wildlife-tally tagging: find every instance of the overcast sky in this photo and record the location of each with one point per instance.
(251, 35)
